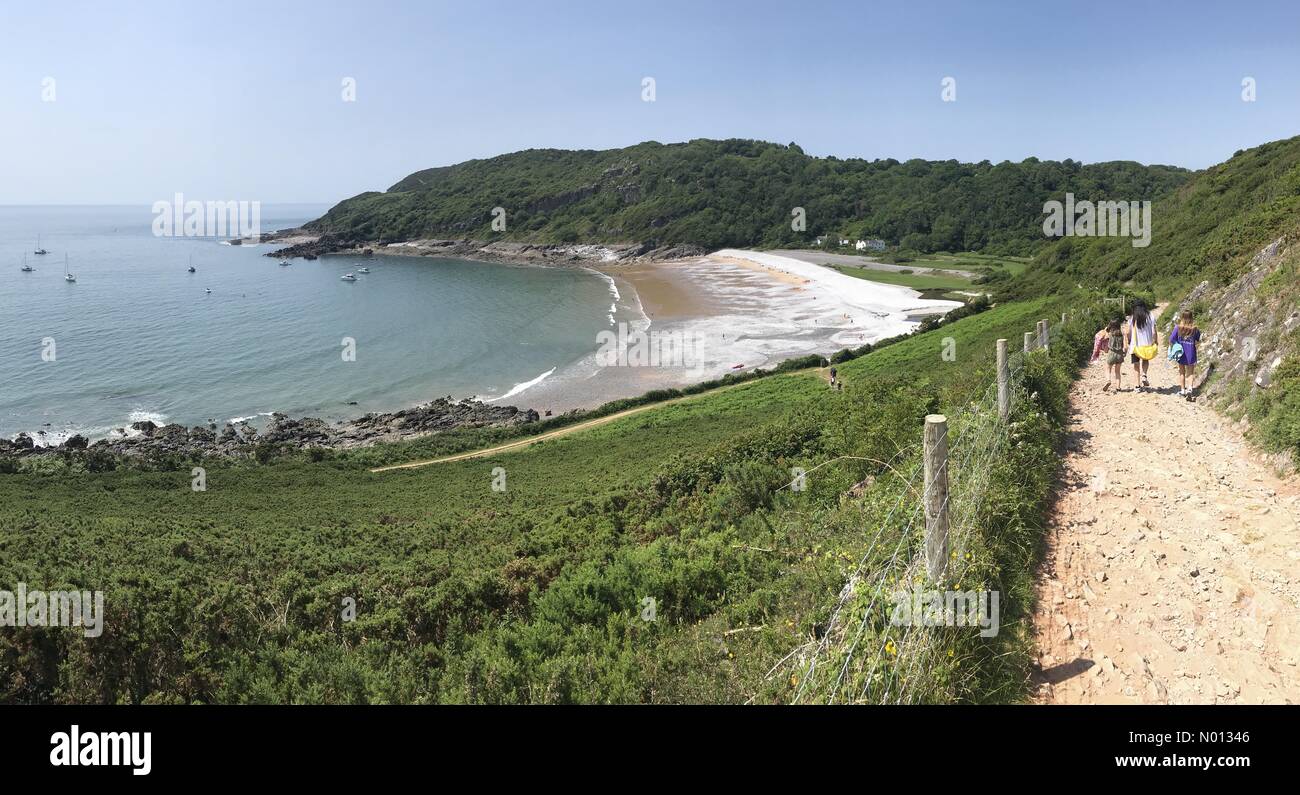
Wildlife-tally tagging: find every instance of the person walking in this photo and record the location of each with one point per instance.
(1114, 354)
(1186, 336)
(1142, 343)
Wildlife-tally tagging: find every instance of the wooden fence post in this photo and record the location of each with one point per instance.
(1043, 341)
(1004, 382)
(1029, 341)
(1065, 318)
(936, 496)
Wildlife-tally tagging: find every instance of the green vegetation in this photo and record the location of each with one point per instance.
(467, 594)
(918, 281)
(1002, 478)
(1207, 229)
(971, 261)
(540, 592)
(736, 193)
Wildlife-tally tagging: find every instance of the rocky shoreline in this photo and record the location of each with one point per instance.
(309, 245)
(148, 439)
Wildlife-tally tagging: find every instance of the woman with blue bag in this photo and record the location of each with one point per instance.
(1182, 349)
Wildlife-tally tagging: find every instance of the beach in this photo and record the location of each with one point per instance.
(140, 340)
(731, 311)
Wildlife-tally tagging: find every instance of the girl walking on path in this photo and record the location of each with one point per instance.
(1115, 354)
(1186, 336)
(1142, 344)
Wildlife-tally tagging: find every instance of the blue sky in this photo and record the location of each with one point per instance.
(237, 100)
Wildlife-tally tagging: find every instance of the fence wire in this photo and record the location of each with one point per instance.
(860, 655)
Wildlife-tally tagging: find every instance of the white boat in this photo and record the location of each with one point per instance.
(40, 250)
(27, 268)
(284, 263)
(348, 277)
(191, 268)
(363, 270)
(67, 274)
(207, 289)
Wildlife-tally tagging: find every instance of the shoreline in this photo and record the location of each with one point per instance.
(738, 310)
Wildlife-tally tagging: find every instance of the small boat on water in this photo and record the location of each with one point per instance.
(40, 250)
(348, 277)
(191, 268)
(27, 268)
(68, 276)
(363, 270)
(284, 263)
(207, 289)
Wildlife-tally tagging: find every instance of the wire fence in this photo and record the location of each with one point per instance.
(861, 656)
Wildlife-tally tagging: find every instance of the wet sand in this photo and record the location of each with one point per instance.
(736, 311)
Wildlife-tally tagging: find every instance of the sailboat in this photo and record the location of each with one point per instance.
(40, 250)
(27, 268)
(67, 274)
(191, 263)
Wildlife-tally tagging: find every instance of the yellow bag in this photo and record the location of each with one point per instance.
(1147, 352)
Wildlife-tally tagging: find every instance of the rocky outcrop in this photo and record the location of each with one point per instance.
(508, 251)
(1248, 322)
(288, 433)
(1251, 328)
(443, 414)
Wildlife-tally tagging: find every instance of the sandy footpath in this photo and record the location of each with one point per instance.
(1173, 567)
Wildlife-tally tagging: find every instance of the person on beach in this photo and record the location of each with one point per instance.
(1142, 344)
(1115, 355)
(1186, 336)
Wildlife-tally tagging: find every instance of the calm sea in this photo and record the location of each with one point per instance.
(138, 337)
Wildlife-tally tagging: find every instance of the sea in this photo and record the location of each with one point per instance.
(137, 337)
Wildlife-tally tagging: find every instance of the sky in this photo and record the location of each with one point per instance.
(133, 102)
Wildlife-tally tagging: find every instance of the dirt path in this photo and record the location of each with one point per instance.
(1173, 568)
(569, 429)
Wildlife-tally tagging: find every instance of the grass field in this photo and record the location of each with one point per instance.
(930, 286)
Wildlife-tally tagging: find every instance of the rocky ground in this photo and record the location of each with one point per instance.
(307, 245)
(147, 438)
(1173, 568)
(1248, 325)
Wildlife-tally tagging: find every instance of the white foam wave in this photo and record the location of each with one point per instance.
(140, 415)
(520, 387)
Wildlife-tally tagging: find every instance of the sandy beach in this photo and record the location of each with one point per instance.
(730, 311)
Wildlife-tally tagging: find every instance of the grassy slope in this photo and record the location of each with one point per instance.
(917, 281)
(233, 594)
(1207, 229)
